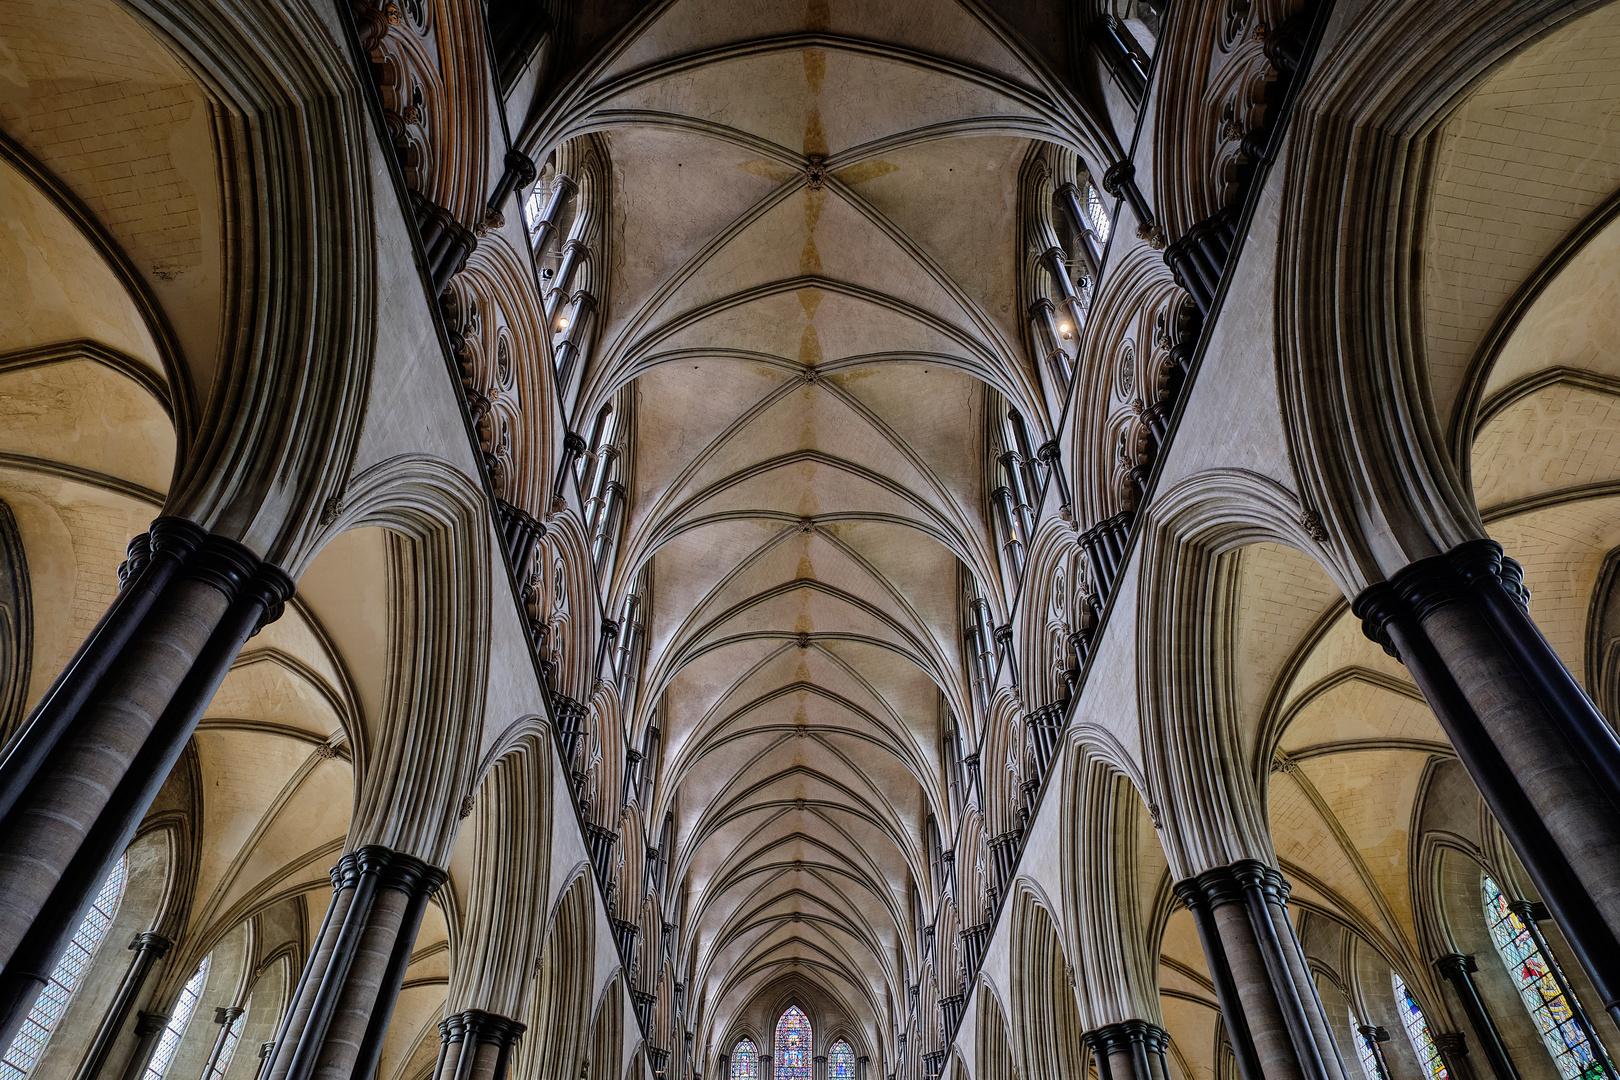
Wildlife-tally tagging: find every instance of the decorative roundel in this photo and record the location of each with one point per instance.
(417, 10)
(1127, 371)
(1057, 592)
(557, 584)
(503, 360)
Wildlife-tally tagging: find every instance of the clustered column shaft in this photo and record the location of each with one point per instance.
(475, 1045)
(1273, 1016)
(1545, 761)
(349, 986)
(79, 778)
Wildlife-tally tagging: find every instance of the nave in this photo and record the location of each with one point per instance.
(809, 540)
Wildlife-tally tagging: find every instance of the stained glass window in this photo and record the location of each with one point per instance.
(29, 1045)
(169, 1041)
(233, 1035)
(1541, 987)
(792, 1052)
(841, 1061)
(1417, 1030)
(1364, 1051)
(745, 1060)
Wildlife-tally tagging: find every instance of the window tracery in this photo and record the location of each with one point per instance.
(29, 1045)
(792, 1058)
(1417, 1031)
(1542, 988)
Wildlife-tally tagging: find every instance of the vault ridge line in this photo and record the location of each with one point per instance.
(765, 290)
(633, 329)
(685, 63)
(732, 919)
(715, 819)
(1007, 353)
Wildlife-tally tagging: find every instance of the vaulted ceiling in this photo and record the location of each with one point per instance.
(814, 282)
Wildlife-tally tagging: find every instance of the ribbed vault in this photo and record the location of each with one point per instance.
(814, 297)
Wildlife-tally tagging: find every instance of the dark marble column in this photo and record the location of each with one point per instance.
(79, 777)
(1459, 970)
(476, 1045)
(1545, 761)
(224, 1017)
(148, 1027)
(1273, 1016)
(1129, 1050)
(148, 949)
(1453, 1046)
(346, 996)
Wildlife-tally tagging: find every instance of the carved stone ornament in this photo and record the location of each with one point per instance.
(1153, 234)
(1311, 521)
(816, 172)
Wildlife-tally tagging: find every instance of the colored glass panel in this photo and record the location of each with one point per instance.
(841, 1061)
(184, 1007)
(29, 1045)
(745, 1060)
(1417, 1031)
(1535, 975)
(792, 1058)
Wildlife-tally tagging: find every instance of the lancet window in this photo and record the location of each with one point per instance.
(792, 1058)
(179, 1020)
(29, 1046)
(1543, 988)
(841, 1061)
(1417, 1031)
(745, 1060)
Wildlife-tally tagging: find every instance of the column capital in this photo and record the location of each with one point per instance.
(147, 941)
(227, 1014)
(1455, 966)
(150, 1023)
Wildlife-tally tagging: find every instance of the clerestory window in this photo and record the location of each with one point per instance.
(184, 1007)
(1417, 1031)
(1543, 989)
(29, 1046)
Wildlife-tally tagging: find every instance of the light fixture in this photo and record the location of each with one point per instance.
(562, 324)
(1063, 328)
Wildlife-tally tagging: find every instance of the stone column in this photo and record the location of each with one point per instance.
(1374, 1038)
(1459, 971)
(1129, 1050)
(764, 1067)
(1068, 197)
(547, 225)
(1453, 1047)
(148, 1026)
(1273, 1016)
(223, 1017)
(1545, 761)
(860, 1067)
(725, 1067)
(346, 996)
(573, 253)
(476, 1045)
(820, 1072)
(149, 948)
(79, 777)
